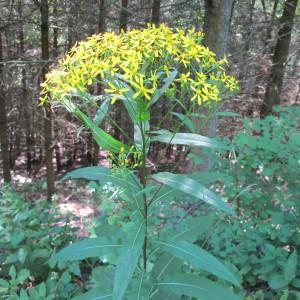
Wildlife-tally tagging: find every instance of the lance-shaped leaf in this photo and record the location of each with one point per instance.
(101, 113)
(104, 140)
(194, 227)
(192, 187)
(94, 294)
(127, 263)
(198, 258)
(93, 173)
(94, 247)
(196, 287)
(186, 121)
(105, 175)
(137, 111)
(160, 92)
(188, 139)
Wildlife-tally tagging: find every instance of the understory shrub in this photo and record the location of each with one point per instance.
(30, 234)
(262, 179)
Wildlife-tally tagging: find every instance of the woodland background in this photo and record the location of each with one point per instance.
(34, 35)
(40, 144)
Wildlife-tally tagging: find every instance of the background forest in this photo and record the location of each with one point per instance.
(248, 218)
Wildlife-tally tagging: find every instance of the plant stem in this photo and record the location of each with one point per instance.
(142, 175)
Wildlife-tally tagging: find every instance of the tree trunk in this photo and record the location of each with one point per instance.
(216, 25)
(155, 12)
(3, 122)
(124, 15)
(44, 8)
(101, 16)
(281, 51)
(270, 28)
(101, 29)
(121, 117)
(24, 96)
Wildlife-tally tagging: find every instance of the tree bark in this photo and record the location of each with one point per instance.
(216, 25)
(281, 51)
(3, 122)
(270, 28)
(24, 95)
(124, 15)
(101, 16)
(155, 12)
(44, 9)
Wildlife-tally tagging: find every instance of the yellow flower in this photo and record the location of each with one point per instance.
(184, 78)
(142, 59)
(141, 89)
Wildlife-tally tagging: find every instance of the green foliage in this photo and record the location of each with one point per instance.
(145, 239)
(30, 233)
(262, 181)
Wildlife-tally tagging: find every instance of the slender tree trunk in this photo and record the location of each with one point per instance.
(55, 55)
(270, 27)
(101, 16)
(124, 15)
(155, 12)
(3, 122)
(24, 96)
(44, 8)
(216, 25)
(281, 51)
(71, 24)
(101, 29)
(121, 117)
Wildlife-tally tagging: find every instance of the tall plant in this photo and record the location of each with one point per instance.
(149, 249)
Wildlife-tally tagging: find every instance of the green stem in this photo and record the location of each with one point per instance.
(142, 175)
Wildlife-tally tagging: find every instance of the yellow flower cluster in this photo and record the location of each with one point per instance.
(142, 59)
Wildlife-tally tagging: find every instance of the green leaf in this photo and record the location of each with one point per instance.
(17, 237)
(94, 247)
(194, 227)
(160, 92)
(23, 295)
(138, 113)
(42, 289)
(199, 258)
(101, 113)
(279, 281)
(4, 283)
(105, 175)
(276, 281)
(189, 139)
(166, 264)
(127, 263)
(94, 294)
(290, 267)
(138, 138)
(194, 286)
(22, 254)
(192, 187)
(23, 275)
(104, 140)
(103, 277)
(12, 272)
(93, 173)
(186, 121)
